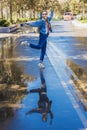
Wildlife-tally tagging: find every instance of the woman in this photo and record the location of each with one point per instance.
(44, 27)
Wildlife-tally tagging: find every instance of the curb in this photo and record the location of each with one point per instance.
(8, 29)
(13, 28)
(4, 30)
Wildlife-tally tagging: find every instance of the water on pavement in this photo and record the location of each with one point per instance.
(49, 106)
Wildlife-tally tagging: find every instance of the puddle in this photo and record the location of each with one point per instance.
(13, 79)
(79, 78)
(83, 44)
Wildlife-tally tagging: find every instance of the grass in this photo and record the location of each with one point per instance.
(83, 20)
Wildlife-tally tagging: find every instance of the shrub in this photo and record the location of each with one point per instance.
(4, 23)
(83, 20)
(19, 20)
(34, 19)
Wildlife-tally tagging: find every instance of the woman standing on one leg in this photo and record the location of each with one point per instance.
(44, 28)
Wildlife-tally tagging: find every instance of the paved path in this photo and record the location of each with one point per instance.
(67, 111)
(58, 62)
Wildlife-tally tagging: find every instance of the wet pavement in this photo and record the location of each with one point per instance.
(56, 103)
(72, 49)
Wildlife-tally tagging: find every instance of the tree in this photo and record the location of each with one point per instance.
(83, 7)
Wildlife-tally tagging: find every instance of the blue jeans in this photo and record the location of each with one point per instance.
(41, 45)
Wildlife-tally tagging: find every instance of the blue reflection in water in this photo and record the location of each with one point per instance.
(44, 104)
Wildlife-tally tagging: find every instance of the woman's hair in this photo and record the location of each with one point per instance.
(44, 11)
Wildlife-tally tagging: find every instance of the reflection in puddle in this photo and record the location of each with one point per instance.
(12, 79)
(83, 44)
(43, 104)
(83, 39)
(80, 72)
(80, 78)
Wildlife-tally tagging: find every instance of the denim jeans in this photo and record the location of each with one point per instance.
(41, 45)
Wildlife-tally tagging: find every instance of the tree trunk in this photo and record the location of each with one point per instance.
(33, 13)
(22, 13)
(11, 20)
(1, 10)
(83, 11)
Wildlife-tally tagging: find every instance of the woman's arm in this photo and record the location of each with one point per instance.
(40, 15)
(35, 24)
(35, 110)
(51, 15)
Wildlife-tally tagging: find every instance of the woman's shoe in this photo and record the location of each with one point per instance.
(41, 65)
(25, 43)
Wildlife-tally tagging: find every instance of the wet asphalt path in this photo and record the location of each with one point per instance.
(68, 113)
(71, 41)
